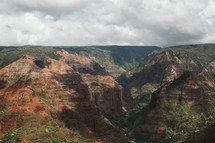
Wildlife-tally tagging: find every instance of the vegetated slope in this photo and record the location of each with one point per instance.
(165, 65)
(59, 101)
(115, 59)
(180, 111)
(11, 54)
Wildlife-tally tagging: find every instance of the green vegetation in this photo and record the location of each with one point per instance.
(41, 62)
(201, 54)
(144, 95)
(137, 131)
(45, 134)
(180, 121)
(36, 131)
(24, 78)
(14, 136)
(9, 55)
(77, 139)
(11, 82)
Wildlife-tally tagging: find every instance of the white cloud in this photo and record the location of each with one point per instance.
(100, 22)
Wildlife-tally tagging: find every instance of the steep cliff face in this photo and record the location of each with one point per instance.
(178, 110)
(181, 90)
(55, 103)
(22, 67)
(105, 93)
(80, 63)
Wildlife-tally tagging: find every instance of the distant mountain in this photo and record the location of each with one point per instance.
(115, 59)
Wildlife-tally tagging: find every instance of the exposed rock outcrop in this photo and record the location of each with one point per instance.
(104, 92)
(80, 63)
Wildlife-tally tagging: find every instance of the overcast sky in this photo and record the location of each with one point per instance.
(107, 22)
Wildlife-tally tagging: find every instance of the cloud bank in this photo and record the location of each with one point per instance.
(107, 22)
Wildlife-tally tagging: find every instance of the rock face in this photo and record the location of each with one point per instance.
(57, 102)
(104, 92)
(80, 63)
(114, 70)
(178, 110)
(182, 90)
(22, 67)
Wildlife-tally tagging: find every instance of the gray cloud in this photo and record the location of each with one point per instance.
(100, 22)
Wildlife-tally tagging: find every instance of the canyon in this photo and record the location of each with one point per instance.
(107, 95)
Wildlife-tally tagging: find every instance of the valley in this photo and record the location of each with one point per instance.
(107, 94)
